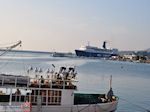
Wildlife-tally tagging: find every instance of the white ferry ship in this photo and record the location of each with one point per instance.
(90, 51)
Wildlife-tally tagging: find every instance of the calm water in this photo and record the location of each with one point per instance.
(131, 81)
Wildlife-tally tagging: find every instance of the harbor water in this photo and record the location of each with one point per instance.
(131, 81)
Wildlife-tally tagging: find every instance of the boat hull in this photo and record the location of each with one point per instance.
(102, 107)
(93, 54)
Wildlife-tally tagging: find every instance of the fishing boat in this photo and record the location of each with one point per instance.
(53, 93)
(91, 51)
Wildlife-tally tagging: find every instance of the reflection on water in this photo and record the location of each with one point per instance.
(131, 81)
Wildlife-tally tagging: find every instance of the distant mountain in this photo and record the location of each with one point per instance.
(126, 52)
(148, 50)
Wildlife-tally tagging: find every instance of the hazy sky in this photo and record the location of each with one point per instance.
(65, 25)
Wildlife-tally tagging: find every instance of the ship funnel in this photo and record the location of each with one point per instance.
(104, 45)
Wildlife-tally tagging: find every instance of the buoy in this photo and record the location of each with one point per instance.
(26, 107)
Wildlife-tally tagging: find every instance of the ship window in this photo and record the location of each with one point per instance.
(18, 96)
(48, 97)
(54, 98)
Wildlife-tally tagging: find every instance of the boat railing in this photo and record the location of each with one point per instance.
(52, 83)
(35, 96)
(37, 83)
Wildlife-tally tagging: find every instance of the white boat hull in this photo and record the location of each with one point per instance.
(105, 107)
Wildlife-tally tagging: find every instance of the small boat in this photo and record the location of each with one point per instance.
(53, 93)
(61, 54)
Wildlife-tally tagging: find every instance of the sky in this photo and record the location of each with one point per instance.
(65, 25)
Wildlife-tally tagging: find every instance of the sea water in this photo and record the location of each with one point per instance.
(130, 81)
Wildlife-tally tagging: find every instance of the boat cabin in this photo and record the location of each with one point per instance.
(55, 89)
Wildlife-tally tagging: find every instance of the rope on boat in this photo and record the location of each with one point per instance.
(147, 110)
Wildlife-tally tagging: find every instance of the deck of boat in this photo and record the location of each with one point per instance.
(80, 98)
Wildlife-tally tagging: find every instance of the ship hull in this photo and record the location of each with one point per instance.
(105, 107)
(81, 53)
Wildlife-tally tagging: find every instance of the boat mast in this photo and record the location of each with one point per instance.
(110, 82)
